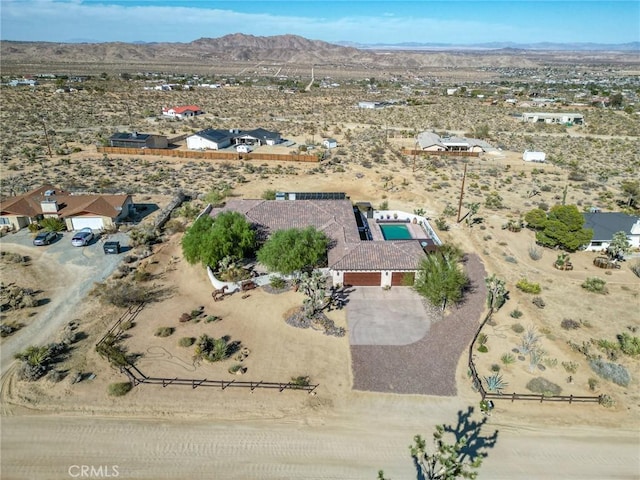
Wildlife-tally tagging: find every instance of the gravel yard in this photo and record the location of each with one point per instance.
(428, 366)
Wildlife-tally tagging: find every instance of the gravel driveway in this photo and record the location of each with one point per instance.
(85, 265)
(427, 366)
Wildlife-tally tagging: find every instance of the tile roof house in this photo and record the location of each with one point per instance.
(78, 211)
(185, 111)
(432, 142)
(350, 259)
(605, 224)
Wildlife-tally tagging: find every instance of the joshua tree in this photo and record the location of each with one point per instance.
(314, 287)
(619, 246)
(496, 292)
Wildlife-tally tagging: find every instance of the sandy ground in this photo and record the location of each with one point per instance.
(178, 432)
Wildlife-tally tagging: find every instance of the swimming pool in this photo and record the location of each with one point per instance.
(395, 231)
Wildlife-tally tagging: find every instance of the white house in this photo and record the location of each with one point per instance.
(605, 224)
(185, 111)
(544, 117)
(209, 139)
(529, 156)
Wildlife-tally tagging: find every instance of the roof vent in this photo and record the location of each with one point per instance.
(49, 193)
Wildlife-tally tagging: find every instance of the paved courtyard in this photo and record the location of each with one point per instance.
(426, 366)
(386, 317)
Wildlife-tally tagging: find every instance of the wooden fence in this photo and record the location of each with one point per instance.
(210, 154)
(477, 382)
(443, 153)
(136, 377)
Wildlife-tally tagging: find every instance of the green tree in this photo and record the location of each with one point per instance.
(53, 224)
(294, 249)
(619, 245)
(210, 240)
(631, 190)
(447, 462)
(562, 227)
(440, 279)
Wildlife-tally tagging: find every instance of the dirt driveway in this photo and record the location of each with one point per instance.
(74, 271)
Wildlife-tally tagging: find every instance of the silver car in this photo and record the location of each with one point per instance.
(82, 238)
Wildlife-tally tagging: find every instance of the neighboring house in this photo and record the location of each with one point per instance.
(330, 143)
(216, 139)
(78, 211)
(544, 117)
(529, 156)
(186, 111)
(209, 139)
(138, 140)
(432, 142)
(351, 259)
(606, 224)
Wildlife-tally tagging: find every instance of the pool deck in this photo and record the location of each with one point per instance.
(416, 231)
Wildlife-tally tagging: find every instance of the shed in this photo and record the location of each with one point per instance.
(530, 156)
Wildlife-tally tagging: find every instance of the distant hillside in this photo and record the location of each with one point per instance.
(548, 46)
(282, 49)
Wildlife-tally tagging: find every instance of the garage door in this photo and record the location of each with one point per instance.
(363, 279)
(94, 223)
(397, 278)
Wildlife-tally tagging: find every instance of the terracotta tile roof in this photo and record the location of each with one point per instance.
(184, 108)
(28, 204)
(336, 219)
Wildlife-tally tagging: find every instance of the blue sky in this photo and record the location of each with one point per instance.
(370, 21)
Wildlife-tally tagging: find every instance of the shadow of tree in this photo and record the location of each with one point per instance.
(476, 446)
(477, 443)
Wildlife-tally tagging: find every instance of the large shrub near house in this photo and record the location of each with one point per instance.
(561, 227)
(294, 249)
(210, 240)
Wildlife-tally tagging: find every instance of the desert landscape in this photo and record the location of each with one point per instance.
(52, 133)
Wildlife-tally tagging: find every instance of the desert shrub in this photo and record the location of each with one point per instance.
(528, 287)
(635, 268)
(570, 367)
(535, 252)
(55, 376)
(186, 341)
(184, 318)
(237, 368)
(119, 389)
(163, 332)
(495, 368)
(508, 358)
(538, 302)
(550, 362)
(595, 285)
(300, 381)
(569, 324)
(212, 349)
(53, 224)
(269, 194)
(6, 330)
(126, 325)
(629, 345)
(614, 372)
(174, 226)
(515, 313)
(123, 293)
(606, 401)
(593, 384)
(543, 386)
(518, 328)
(510, 259)
(441, 224)
(277, 282)
(141, 275)
(142, 235)
(212, 318)
(10, 257)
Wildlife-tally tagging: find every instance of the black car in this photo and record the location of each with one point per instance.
(44, 238)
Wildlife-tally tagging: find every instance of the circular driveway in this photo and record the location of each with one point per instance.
(386, 317)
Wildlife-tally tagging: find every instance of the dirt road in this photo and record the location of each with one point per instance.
(353, 442)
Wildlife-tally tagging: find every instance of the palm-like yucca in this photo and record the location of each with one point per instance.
(495, 383)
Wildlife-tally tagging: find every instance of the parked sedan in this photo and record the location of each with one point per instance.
(82, 238)
(44, 238)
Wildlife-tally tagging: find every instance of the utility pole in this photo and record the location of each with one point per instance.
(464, 175)
(46, 136)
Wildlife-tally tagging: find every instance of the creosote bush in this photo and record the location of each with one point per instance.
(544, 387)
(595, 285)
(164, 332)
(119, 389)
(569, 324)
(528, 287)
(186, 341)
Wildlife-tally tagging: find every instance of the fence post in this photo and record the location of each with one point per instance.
(541, 397)
(513, 397)
(570, 399)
